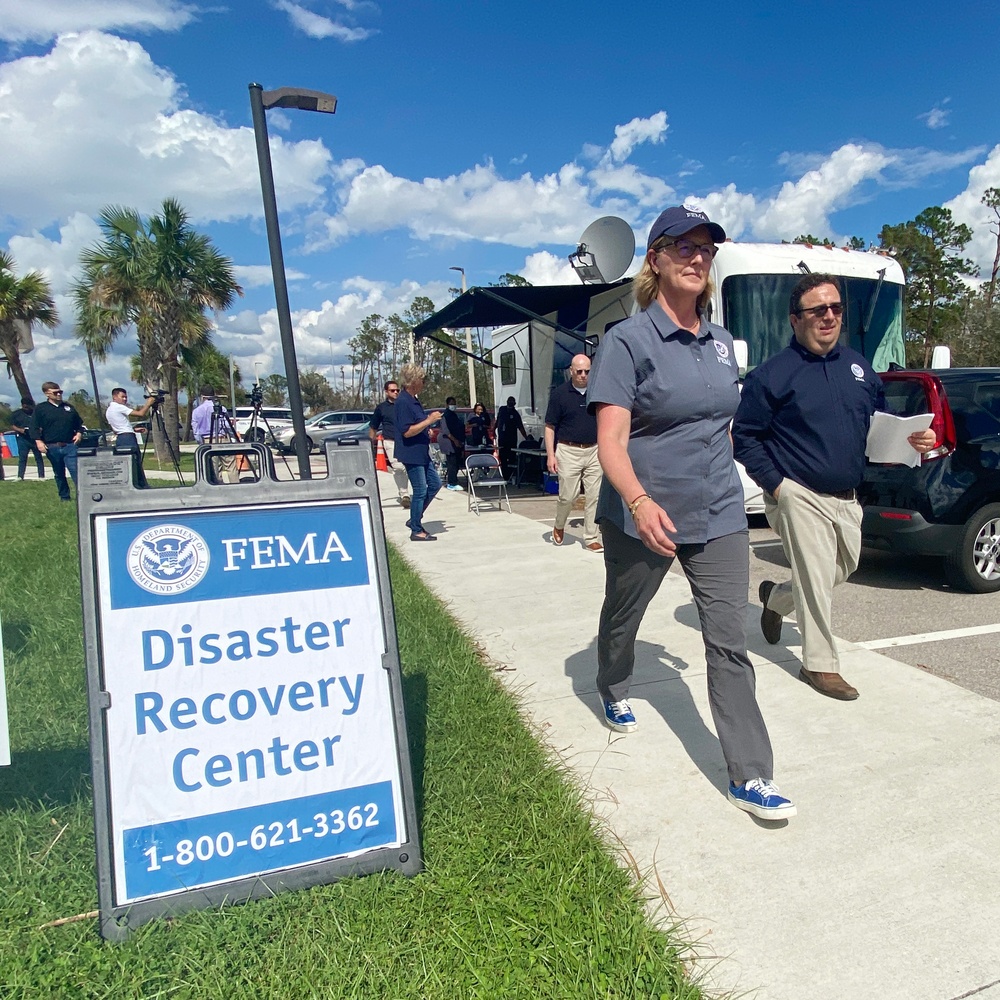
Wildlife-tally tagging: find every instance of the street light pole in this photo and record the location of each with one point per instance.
(260, 101)
(468, 348)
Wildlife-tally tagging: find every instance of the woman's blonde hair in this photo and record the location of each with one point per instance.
(646, 283)
(410, 373)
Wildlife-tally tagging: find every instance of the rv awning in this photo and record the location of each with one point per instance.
(505, 305)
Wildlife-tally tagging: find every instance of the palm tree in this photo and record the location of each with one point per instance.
(23, 301)
(159, 277)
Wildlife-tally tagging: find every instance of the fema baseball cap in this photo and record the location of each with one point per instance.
(680, 220)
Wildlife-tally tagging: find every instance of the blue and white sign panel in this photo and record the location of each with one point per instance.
(250, 726)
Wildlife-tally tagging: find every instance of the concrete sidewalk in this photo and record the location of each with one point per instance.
(887, 883)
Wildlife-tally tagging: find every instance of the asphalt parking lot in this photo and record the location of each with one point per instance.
(901, 607)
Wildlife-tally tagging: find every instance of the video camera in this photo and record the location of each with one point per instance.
(256, 395)
(156, 395)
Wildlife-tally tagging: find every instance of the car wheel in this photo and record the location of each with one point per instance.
(975, 563)
(309, 445)
(256, 435)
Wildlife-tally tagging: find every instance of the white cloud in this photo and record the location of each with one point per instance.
(316, 26)
(804, 205)
(57, 259)
(95, 121)
(544, 268)
(938, 116)
(475, 204)
(638, 130)
(43, 20)
(968, 208)
(261, 275)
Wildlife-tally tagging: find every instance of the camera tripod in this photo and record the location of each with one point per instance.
(157, 421)
(254, 433)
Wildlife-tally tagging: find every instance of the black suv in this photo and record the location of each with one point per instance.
(949, 505)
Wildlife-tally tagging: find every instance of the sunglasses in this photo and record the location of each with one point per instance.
(818, 312)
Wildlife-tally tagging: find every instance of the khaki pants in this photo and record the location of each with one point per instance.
(578, 465)
(397, 469)
(821, 536)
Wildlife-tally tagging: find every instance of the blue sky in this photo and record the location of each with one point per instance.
(486, 135)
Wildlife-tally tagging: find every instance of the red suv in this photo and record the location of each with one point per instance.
(949, 504)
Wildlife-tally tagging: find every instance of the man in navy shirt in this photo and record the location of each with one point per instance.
(571, 450)
(800, 431)
(383, 422)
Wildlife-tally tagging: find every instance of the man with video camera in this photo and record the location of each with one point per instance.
(118, 414)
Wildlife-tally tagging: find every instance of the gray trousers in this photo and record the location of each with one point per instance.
(719, 575)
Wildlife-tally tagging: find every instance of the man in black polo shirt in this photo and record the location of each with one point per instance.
(20, 422)
(56, 428)
(571, 450)
(800, 431)
(384, 420)
(509, 425)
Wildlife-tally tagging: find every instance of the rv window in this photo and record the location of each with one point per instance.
(508, 370)
(755, 309)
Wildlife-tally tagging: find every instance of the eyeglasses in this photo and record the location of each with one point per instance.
(686, 249)
(56, 392)
(581, 371)
(392, 390)
(818, 312)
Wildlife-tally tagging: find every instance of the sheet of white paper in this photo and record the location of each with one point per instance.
(887, 438)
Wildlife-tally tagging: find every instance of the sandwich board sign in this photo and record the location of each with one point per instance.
(247, 729)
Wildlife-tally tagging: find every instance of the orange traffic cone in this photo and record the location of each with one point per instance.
(4, 448)
(381, 459)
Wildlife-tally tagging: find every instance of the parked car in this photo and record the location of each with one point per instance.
(949, 504)
(357, 432)
(321, 424)
(276, 417)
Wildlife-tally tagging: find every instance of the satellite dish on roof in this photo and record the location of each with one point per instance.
(605, 251)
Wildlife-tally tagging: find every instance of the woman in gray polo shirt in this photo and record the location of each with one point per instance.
(664, 387)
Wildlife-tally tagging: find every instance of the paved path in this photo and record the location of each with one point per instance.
(887, 883)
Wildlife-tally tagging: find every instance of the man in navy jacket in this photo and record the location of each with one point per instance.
(800, 432)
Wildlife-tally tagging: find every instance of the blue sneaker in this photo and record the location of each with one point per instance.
(618, 716)
(460, 489)
(762, 799)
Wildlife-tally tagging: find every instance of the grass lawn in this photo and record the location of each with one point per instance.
(519, 898)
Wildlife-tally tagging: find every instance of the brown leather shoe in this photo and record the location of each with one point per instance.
(595, 547)
(557, 535)
(832, 685)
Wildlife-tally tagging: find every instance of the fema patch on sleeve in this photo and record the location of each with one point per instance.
(723, 352)
(168, 559)
(859, 372)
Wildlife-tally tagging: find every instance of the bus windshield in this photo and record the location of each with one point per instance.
(755, 309)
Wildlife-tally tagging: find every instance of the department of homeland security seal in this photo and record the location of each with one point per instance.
(721, 349)
(859, 372)
(168, 559)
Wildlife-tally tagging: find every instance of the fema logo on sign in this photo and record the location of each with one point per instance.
(168, 559)
(859, 372)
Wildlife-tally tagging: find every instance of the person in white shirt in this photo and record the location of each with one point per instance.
(118, 414)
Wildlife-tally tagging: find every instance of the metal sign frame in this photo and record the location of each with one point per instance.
(106, 498)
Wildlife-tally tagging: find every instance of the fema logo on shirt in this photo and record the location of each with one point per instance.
(168, 559)
(859, 372)
(723, 351)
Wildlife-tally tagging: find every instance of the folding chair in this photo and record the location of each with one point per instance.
(483, 473)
